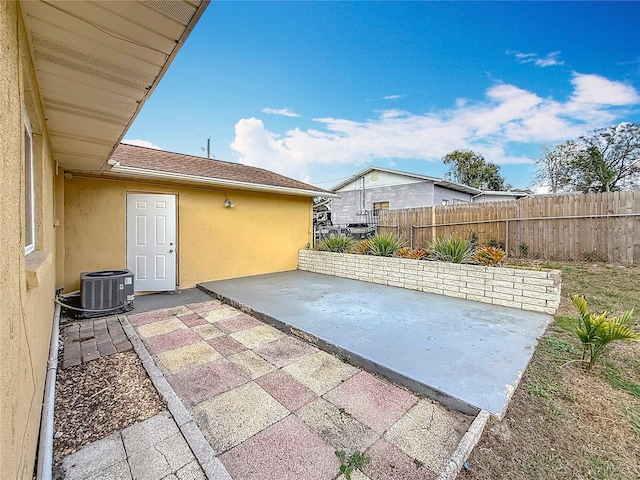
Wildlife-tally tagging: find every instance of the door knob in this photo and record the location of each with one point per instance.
(170, 251)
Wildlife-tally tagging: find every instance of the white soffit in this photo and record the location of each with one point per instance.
(96, 64)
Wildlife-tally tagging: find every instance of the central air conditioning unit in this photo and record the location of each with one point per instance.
(106, 292)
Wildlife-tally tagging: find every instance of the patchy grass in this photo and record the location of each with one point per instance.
(565, 422)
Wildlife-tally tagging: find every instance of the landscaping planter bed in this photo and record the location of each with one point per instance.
(535, 290)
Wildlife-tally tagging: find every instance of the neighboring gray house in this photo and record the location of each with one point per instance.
(495, 196)
(363, 195)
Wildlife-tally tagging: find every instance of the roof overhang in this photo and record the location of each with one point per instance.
(132, 173)
(437, 181)
(458, 186)
(97, 63)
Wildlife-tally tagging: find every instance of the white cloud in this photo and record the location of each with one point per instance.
(549, 60)
(287, 112)
(392, 97)
(597, 90)
(141, 143)
(507, 118)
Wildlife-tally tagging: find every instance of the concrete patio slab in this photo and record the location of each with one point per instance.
(320, 372)
(465, 354)
(276, 426)
(285, 450)
(236, 415)
(336, 427)
(375, 403)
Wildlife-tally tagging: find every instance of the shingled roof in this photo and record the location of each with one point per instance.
(135, 161)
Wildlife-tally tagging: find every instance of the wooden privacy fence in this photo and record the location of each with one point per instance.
(595, 226)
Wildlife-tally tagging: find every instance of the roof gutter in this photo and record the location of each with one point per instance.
(218, 182)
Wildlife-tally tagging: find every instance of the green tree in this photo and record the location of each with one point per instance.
(604, 160)
(470, 168)
(608, 159)
(554, 167)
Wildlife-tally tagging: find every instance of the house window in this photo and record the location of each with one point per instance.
(29, 203)
(377, 206)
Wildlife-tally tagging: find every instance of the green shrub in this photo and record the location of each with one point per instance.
(336, 243)
(385, 244)
(454, 249)
(496, 243)
(597, 331)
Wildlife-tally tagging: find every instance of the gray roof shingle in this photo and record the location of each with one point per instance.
(168, 162)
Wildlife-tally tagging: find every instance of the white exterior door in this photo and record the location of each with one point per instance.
(151, 241)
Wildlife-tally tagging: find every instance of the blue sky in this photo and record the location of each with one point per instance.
(320, 90)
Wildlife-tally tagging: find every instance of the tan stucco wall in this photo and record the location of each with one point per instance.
(261, 234)
(27, 283)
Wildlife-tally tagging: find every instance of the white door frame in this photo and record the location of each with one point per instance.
(151, 240)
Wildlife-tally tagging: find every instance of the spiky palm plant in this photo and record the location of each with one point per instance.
(454, 249)
(597, 331)
(384, 244)
(336, 243)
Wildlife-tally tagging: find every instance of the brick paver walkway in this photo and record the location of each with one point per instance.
(89, 339)
(274, 407)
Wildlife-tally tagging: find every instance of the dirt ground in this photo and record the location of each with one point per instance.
(564, 422)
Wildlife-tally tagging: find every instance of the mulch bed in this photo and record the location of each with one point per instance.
(98, 398)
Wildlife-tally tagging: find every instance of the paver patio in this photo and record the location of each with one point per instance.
(274, 407)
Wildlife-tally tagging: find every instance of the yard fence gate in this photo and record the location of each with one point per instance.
(594, 227)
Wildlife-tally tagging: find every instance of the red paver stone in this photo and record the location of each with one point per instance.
(198, 384)
(287, 450)
(192, 319)
(169, 341)
(391, 463)
(286, 389)
(204, 306)
(374, 402)
(236, 324)
(226, 346)
(148, 317)
(284, 351)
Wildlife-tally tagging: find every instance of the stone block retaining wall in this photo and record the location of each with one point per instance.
(536, 290)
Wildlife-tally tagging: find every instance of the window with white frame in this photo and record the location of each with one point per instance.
(29, 203)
